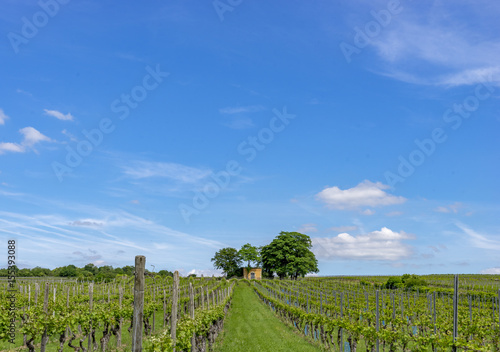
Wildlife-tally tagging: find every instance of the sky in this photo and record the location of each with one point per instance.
(175, 128)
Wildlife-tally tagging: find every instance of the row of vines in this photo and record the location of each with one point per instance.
(87, 316)
(345, 317)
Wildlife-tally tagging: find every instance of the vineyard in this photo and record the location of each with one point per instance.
(346, 316)
(340, 313)
(86, 316)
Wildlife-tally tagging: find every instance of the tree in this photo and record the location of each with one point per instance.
(91, 268)
(165, 273)
(227, 260)
(128, 270)
(289, 254)
(249, 253)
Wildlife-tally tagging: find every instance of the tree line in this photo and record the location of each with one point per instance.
(89, 271)
(288, 255)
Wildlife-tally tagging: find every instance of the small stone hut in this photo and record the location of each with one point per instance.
(253, 273)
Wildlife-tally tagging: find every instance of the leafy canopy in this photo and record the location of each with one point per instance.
(249, 253)
(289, 254)
(228, 260)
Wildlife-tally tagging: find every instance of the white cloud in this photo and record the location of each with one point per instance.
(59, 115)
(177, 172)
(3, 117)
(368, 212)
(307, 228)
(11, 147)
(364, 194)
(204, 272)
(30, 137)
(491, 271)
(377, 245)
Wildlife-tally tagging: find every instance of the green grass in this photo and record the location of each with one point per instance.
(251, 326)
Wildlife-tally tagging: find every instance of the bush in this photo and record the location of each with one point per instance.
(406, 281)
(393, 282)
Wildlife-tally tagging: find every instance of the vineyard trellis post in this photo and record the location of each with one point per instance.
(173, 319)
(341, 315)
(434, 314)
(191, 314)
(377, 318)
(120, 320)
(45, 338)
(91, 295)
(140, 264)
(455, 312)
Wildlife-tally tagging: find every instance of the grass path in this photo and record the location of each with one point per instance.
(251, 327)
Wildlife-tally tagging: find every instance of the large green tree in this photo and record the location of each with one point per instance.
(249, 253)
(228, 260)
(289, 254)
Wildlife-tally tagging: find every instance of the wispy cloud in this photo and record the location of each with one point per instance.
(101, 237)
(394, 213)
(442, 48)
(491, 271)
(31, 137)
(452, 208)
(59, 115)
(364, 194)
(237, 116)
(241, 109)
(479, 240)
(3, 117)
(173, 171)
(343, 228)
(87, 222)
(377, 245)
(239, 123)
(308, 228)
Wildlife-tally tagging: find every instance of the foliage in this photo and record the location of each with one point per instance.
(249, 253)
(90, 271)
(394, 282)
(228, 260)
(406, 281)
(289, 254)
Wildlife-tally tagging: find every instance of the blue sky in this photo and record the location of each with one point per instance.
(175, 128)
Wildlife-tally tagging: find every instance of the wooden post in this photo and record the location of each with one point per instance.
(119, 335)
(164, 308)
(45, 309)
(455, 312)
(37, 290)
(91, 299)
(175, 297)
(208, 299)
(191, 315)
(202, 298)
(140, 264)
(154, 311)
(341, 315)
(67, 307)
(377, 318)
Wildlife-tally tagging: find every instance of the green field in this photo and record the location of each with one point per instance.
(251, 326)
